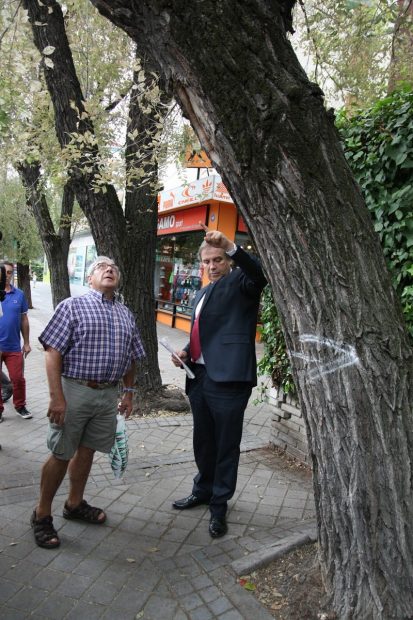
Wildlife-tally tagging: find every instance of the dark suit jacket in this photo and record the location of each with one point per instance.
(228, 319)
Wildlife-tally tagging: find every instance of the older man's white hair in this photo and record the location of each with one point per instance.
(99, 260)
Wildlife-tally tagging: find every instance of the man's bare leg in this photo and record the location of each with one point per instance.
(53, 472)
(79, 470)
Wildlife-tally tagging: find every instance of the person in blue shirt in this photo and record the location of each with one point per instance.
(13, 322)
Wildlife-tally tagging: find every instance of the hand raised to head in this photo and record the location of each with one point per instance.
(216, 239)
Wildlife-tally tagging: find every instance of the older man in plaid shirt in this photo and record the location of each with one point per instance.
(91, 343)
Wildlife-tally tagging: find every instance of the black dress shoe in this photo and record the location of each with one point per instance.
(189, 502)
(218, 527)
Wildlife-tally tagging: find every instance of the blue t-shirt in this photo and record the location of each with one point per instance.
(14, 305)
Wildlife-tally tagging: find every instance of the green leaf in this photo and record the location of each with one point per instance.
(401, 157)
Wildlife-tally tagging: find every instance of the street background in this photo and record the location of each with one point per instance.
(148, 560)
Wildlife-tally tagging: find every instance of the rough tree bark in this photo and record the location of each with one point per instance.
(264, 126)
(55, 245)
(141, 219)
(128, 238)
(139, 250)
(23, 282)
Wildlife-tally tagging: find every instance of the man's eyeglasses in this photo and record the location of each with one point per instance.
(104, 266)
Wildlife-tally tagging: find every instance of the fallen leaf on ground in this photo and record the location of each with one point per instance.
(248, 585)
(276, 606)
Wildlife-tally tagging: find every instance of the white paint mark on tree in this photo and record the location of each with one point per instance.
(280, 188)
(328, 356)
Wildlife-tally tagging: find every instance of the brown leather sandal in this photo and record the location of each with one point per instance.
(84, 512)
(44, 533)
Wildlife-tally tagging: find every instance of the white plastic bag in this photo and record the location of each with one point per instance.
(118, 456)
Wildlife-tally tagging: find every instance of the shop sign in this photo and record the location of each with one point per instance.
(207, 188)
(181, 221)
(196, 158)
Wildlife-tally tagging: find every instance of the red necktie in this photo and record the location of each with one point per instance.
(194, 341)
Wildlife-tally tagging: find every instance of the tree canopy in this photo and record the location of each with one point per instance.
(355, 50)
(21, 241)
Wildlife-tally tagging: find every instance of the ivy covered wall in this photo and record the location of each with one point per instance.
(378, 144)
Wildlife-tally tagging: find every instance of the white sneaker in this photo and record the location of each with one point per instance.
(23, 412)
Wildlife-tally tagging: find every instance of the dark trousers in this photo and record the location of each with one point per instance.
(218, 413)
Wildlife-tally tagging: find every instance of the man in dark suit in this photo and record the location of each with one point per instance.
(221, 353)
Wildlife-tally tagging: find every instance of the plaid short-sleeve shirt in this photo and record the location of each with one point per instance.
(97, 337)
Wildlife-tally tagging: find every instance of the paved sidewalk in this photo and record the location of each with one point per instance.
(148, 560)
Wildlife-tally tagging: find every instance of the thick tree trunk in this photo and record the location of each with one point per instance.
(115, 235)
(139, 247)
(264, 126)
(23, 282)
(56, 246)
(102, 209)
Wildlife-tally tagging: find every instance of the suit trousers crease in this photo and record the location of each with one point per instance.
(218, 414)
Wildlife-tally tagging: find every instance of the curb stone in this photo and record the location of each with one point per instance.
(266, 554)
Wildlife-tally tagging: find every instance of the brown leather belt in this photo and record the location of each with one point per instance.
(95, 385)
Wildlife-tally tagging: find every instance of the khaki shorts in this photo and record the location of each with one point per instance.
(90, 420)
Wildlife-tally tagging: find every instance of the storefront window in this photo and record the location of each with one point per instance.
(76, 265)
(178, 274)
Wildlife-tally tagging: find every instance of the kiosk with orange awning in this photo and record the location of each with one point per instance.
(178, 272)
